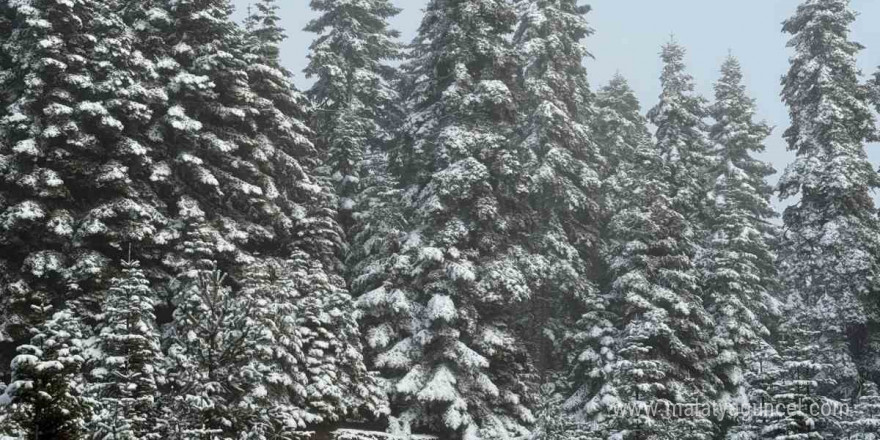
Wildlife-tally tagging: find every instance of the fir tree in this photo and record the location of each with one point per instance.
(168, 114)
(212, 149)
(7, 15)
(354, 92)
(96, 151)
(208, 349)
(681, 137)
(378, 256)
(830, 245)
(236, 145)
(450, 351)
(621, 131)
(562, 177)
(45, 398)
(262, 25)
(864, 420)
(797, 389)
(738, 266)
(381, 223)
(127, 378)
(277, 398)
(285, 146)
(305, 365)
(42, 137)
(664, 351)
(764, 369)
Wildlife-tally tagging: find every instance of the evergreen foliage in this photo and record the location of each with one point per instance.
(357, 103)
(126, 381)
(738, 266)
(45, 398)
(831, 242)
(472, 244)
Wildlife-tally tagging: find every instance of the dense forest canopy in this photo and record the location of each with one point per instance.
(456, 236)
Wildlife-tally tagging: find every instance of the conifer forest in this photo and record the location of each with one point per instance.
(457, 237)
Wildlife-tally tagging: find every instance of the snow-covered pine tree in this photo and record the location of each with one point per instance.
(330, 355)
(664, 351)
(305, 366)
(285, 145)
(355, 90)
(621, 131)
(765, 368)
(125, 380)
(45, 398)
(263, 27)
(681, 137)
(211, 153)
(275, 366)
(561, 166)
(281, 353)
(378, 256)
(831, 242)
(91, 150)
(553, 423)
(234, 142)
(7, 15)
(43, 145)
(7, 344)
(863, 422)
(340, 386)
(114, 162)
(797, 388)
(869, 365)
(275, 369)
(451, 354)
(738, 265)
(208, 347)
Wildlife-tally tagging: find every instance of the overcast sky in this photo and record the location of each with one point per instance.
(629, 34)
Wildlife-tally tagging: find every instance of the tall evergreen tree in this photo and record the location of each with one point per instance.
(166, 114)
(263, 26)
(664, 351)
(275, 365)
(682, 137)
(666, 326)
(798, 388)
(305, 364)
(7, 16)
(864, 420)
(330, 352)
(212, 147)
(621, 131)
(830, 245)
(43, 145)
(355, 90)
(284, 144)
(7, 342)
(738, 265)
(449, 350)
(562, 172)
(127, 377)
